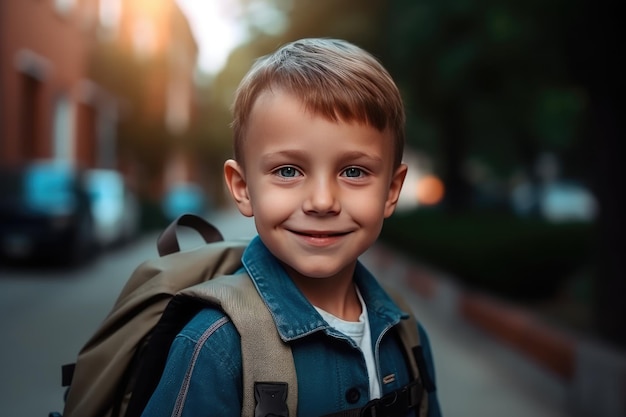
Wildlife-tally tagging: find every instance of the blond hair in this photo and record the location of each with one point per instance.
(334, 78)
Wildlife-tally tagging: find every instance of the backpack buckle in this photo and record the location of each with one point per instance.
(396, 403)
(271, 399)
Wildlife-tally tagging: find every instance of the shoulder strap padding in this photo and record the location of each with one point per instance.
(265, 357)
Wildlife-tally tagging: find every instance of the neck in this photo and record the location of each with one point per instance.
(335, 295)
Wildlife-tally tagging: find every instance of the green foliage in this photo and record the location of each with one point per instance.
(503, 66)
(557, 117)
(520, 259)
(117, 70)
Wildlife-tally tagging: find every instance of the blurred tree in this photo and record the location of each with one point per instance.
(215, 141)
(140, 141)
(353, 20)
(505, 81)
(487, 80)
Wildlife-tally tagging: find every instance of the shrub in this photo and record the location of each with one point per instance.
(522, 259)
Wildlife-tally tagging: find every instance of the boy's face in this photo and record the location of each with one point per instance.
(318, 190)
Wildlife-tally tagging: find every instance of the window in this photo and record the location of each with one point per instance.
(30, 115)
(144, 37)
(109, 14)
(63, 129)
(64, 7)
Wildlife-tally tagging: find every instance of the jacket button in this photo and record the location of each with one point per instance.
(353, 395)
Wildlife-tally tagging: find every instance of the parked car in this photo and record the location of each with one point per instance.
(115, 207)
(557, 201)
(563, 201)
(45, 213)
(181, 198)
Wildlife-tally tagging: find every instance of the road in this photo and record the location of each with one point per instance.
(47, 315)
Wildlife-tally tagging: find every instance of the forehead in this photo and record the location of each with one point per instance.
(281, 121)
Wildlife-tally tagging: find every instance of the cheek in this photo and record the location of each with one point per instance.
(271, 201)
(366, 207)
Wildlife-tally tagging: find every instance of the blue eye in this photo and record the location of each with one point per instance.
(287, 172)
(353, 172)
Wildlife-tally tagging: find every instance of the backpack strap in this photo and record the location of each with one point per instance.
(267, 361)
(167, 242)
(409, 335)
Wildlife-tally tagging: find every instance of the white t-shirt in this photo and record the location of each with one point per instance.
(359, 331)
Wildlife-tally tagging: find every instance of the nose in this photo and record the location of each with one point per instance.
(322, 198)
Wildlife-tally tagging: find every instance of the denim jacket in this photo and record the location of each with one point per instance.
(203, 375)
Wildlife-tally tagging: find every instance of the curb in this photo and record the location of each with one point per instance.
(552, 350)
(594, 374)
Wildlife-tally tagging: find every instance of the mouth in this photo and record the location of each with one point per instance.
(319, 235)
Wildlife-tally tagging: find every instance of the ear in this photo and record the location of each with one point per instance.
(394, 189)
(236, 183)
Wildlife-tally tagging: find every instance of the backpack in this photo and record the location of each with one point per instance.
(121, 364)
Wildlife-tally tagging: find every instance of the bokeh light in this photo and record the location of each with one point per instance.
(429, 190)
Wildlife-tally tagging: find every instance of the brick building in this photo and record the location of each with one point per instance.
(53, 106)
(157, 34)
(49, 108)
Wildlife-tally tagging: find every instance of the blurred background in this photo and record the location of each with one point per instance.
(114, 119)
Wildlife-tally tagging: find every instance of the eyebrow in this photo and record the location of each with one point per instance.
(301, 155)
(348, 156)
(289, 153)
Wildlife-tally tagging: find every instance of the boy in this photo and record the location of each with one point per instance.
(318, 141)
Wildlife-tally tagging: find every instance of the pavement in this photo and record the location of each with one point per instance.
(494, 359)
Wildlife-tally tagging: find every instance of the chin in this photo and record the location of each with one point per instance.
(319, 273)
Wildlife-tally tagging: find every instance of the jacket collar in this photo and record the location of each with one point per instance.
(293, 314)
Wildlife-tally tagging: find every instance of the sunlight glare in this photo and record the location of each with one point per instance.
(217, 28)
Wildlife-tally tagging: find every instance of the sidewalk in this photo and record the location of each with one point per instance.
(494, 359)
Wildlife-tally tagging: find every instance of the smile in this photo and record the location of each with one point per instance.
(319, 235)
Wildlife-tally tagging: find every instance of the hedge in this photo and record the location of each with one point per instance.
(522, 259)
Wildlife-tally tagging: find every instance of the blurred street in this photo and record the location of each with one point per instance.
(48, 315)
(514, 144)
